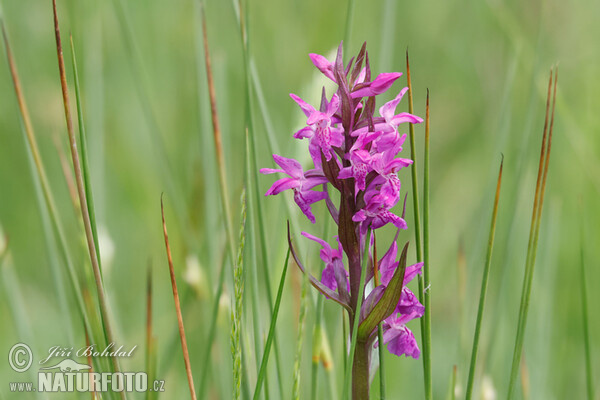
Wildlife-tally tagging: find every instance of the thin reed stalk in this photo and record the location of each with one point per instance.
(39, 174)
(426, 281)
(484, 285)
(265, 358)
(184, 348)
(236, 312)
(94, 255)
(300, 338)
(533, 236)
(417, 224)
(589, 380)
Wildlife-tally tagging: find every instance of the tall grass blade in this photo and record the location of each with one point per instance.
(253, 166)
(426, 282)
(94, 255)
(39, 175)
(150, 339)
(484, 285)
(300, 338)
(212, 329)
(84, 155)
(252, 271)
(265, 358)
(586, 329)
(317, 345)
(417, 219)
(223, 186)
(533, 238)
(236, 312)
(186, 356)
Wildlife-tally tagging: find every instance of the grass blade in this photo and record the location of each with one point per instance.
(533, 238)
(94, 255)
(426, 282)
(186, 356)
(265, 358)
(484, 285)
(417, 224)
(84, 155)
(586, 329)
(253, 166)
(212, 329)
(39, 174)
(300, 339)
(236, 312)
(317, 340)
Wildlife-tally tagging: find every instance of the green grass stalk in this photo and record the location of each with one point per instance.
(417, 223)
(426, 281)
(236, 312)
(94, 255)
(317, 342)
(39, 175)
(253, 166)
(533, 239)
(484, 285)
(265, 358)
(212, 329)
(184, 348)
(586, 329)
(84, 155)
(300, 338)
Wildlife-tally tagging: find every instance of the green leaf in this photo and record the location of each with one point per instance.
(386, 305)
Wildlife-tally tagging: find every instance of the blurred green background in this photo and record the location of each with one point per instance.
(149, 131)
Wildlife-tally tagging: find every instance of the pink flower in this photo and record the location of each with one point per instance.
(320, 129)
(299, 181)
(378, 86)
(323, 64)
(334, 275)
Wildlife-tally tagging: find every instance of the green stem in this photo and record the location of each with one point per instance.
(484, 284)
(360, 363)
(427, 292)
(586, 331)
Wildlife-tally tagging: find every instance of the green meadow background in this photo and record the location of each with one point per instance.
(147, 115)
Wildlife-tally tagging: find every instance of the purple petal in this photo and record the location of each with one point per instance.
(289, 165)
(409, 306)
(323, 64)
(403, 343)
(281, 185)
(307, 108)
(405, 117)
(267, 171)
(305, 199)
(313, 181)
(316, 239)
(333, 105)
(388, 109)
(412, 271)
(328, 277)
(378, 86)
(304, 133)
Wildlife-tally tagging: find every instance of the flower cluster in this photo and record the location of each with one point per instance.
(355, 152)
